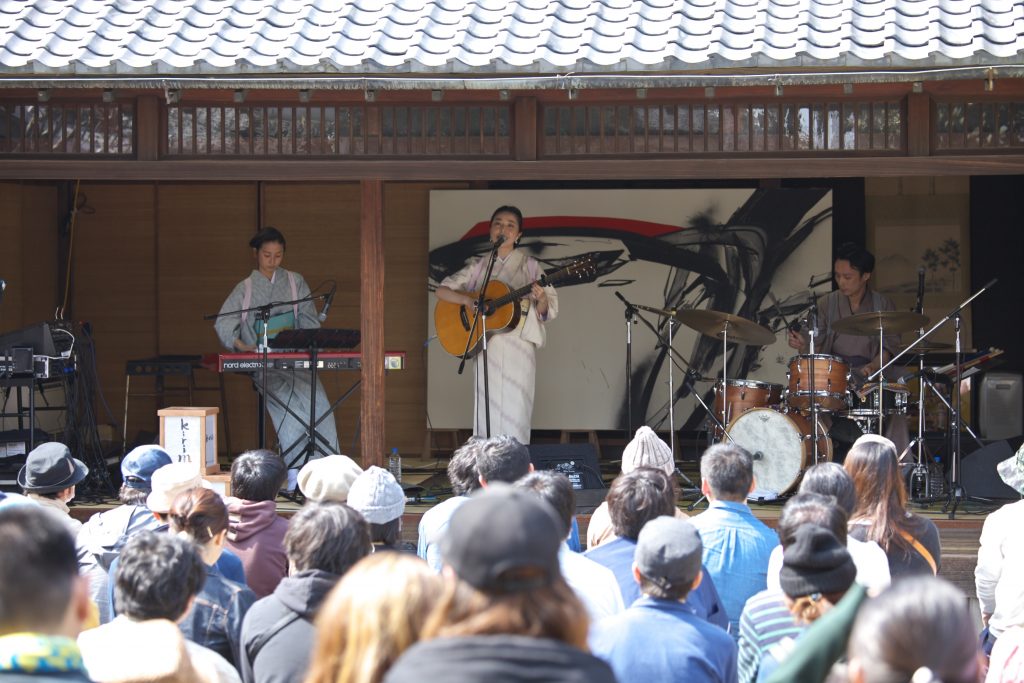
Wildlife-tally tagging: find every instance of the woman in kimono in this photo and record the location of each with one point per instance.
(242, 332)
(511, 357)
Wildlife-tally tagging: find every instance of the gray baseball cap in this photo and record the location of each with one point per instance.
(668, 552)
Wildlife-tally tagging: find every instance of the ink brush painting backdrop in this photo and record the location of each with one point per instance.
(718, 249)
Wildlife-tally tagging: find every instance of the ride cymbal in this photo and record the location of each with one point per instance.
(891, 322)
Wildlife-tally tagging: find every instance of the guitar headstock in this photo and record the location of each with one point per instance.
(580, 270)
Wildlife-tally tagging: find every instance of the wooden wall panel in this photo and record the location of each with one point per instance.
(406, 243)
(321, 224)
(39, 249)
(114, 287)
(28, 262)
(11, 261)
(203, 232)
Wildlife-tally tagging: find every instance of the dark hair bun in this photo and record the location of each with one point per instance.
(267, 234)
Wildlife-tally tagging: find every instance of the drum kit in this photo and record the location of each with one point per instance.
(785, 427)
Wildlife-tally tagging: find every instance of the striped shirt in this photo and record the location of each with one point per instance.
(765, 621)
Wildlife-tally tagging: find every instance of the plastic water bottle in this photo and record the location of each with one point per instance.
(395, 465)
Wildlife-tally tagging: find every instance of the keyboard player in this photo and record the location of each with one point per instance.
(289, 390)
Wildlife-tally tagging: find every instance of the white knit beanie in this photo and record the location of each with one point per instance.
(328, 479)
(647, 450)
(377, 495)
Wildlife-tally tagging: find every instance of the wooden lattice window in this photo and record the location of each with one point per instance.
(965, 125)
(722, 128)
(96, 129)
(332, 131)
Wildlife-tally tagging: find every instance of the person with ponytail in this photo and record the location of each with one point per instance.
(215, 620)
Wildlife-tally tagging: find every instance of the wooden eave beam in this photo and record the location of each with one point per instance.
(596, 168)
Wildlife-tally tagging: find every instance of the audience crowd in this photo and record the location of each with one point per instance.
(181, 584)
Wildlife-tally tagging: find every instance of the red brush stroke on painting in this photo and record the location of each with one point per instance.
(581, 223)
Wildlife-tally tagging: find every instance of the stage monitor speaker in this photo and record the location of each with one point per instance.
(578, 461)
(1001, 405)
(979, 476)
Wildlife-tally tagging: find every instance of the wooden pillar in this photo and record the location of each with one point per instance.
(919, 119)
(525, 122)
(371, 321)
(148, 128)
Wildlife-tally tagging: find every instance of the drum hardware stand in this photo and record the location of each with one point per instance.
(691, 376)
(956, 493)
(478, 312)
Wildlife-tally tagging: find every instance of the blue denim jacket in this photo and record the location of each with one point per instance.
(215, 620)
(737, 547)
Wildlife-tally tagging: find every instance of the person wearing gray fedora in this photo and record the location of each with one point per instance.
(49, 477)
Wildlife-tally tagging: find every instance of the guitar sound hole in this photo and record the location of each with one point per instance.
(464, 318)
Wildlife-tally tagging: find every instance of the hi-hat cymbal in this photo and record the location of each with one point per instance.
(926, 346)
(891, 322)
(715, 323)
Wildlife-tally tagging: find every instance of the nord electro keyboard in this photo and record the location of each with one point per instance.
(328, 360)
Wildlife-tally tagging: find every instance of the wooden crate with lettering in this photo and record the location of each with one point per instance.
(189, 434)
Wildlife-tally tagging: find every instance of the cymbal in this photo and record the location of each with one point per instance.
(714, 324)
(926, 346)
(892, 322)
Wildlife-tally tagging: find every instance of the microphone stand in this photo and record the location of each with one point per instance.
(814, 387)
(477, 314)
(262, 314)
(956, 490)
(630, 319)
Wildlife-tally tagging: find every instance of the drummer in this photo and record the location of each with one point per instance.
(852, 270)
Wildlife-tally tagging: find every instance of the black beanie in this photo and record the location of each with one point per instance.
(815, 562)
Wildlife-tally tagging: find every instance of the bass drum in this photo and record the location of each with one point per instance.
(780, 444)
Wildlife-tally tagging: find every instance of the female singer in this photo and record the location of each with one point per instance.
(511, 358)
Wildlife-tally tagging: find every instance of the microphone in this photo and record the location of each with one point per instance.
(328, 300)
(500, 240)
(919, 307)
(814, 313)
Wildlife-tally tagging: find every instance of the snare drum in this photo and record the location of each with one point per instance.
(831, 381)
(780, 444)
(895, 399)
(741, 396)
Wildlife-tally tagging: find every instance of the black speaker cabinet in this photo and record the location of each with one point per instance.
(978, 472)
(578, 461)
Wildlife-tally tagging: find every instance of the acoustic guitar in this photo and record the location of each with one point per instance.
(501, 304)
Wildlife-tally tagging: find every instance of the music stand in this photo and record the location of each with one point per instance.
(314, 341)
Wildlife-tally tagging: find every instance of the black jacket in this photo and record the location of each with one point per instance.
(498, 659)
(278, 632)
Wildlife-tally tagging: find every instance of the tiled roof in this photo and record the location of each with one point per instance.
(470, 37)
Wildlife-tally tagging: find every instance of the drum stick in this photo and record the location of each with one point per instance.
(795, 325)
